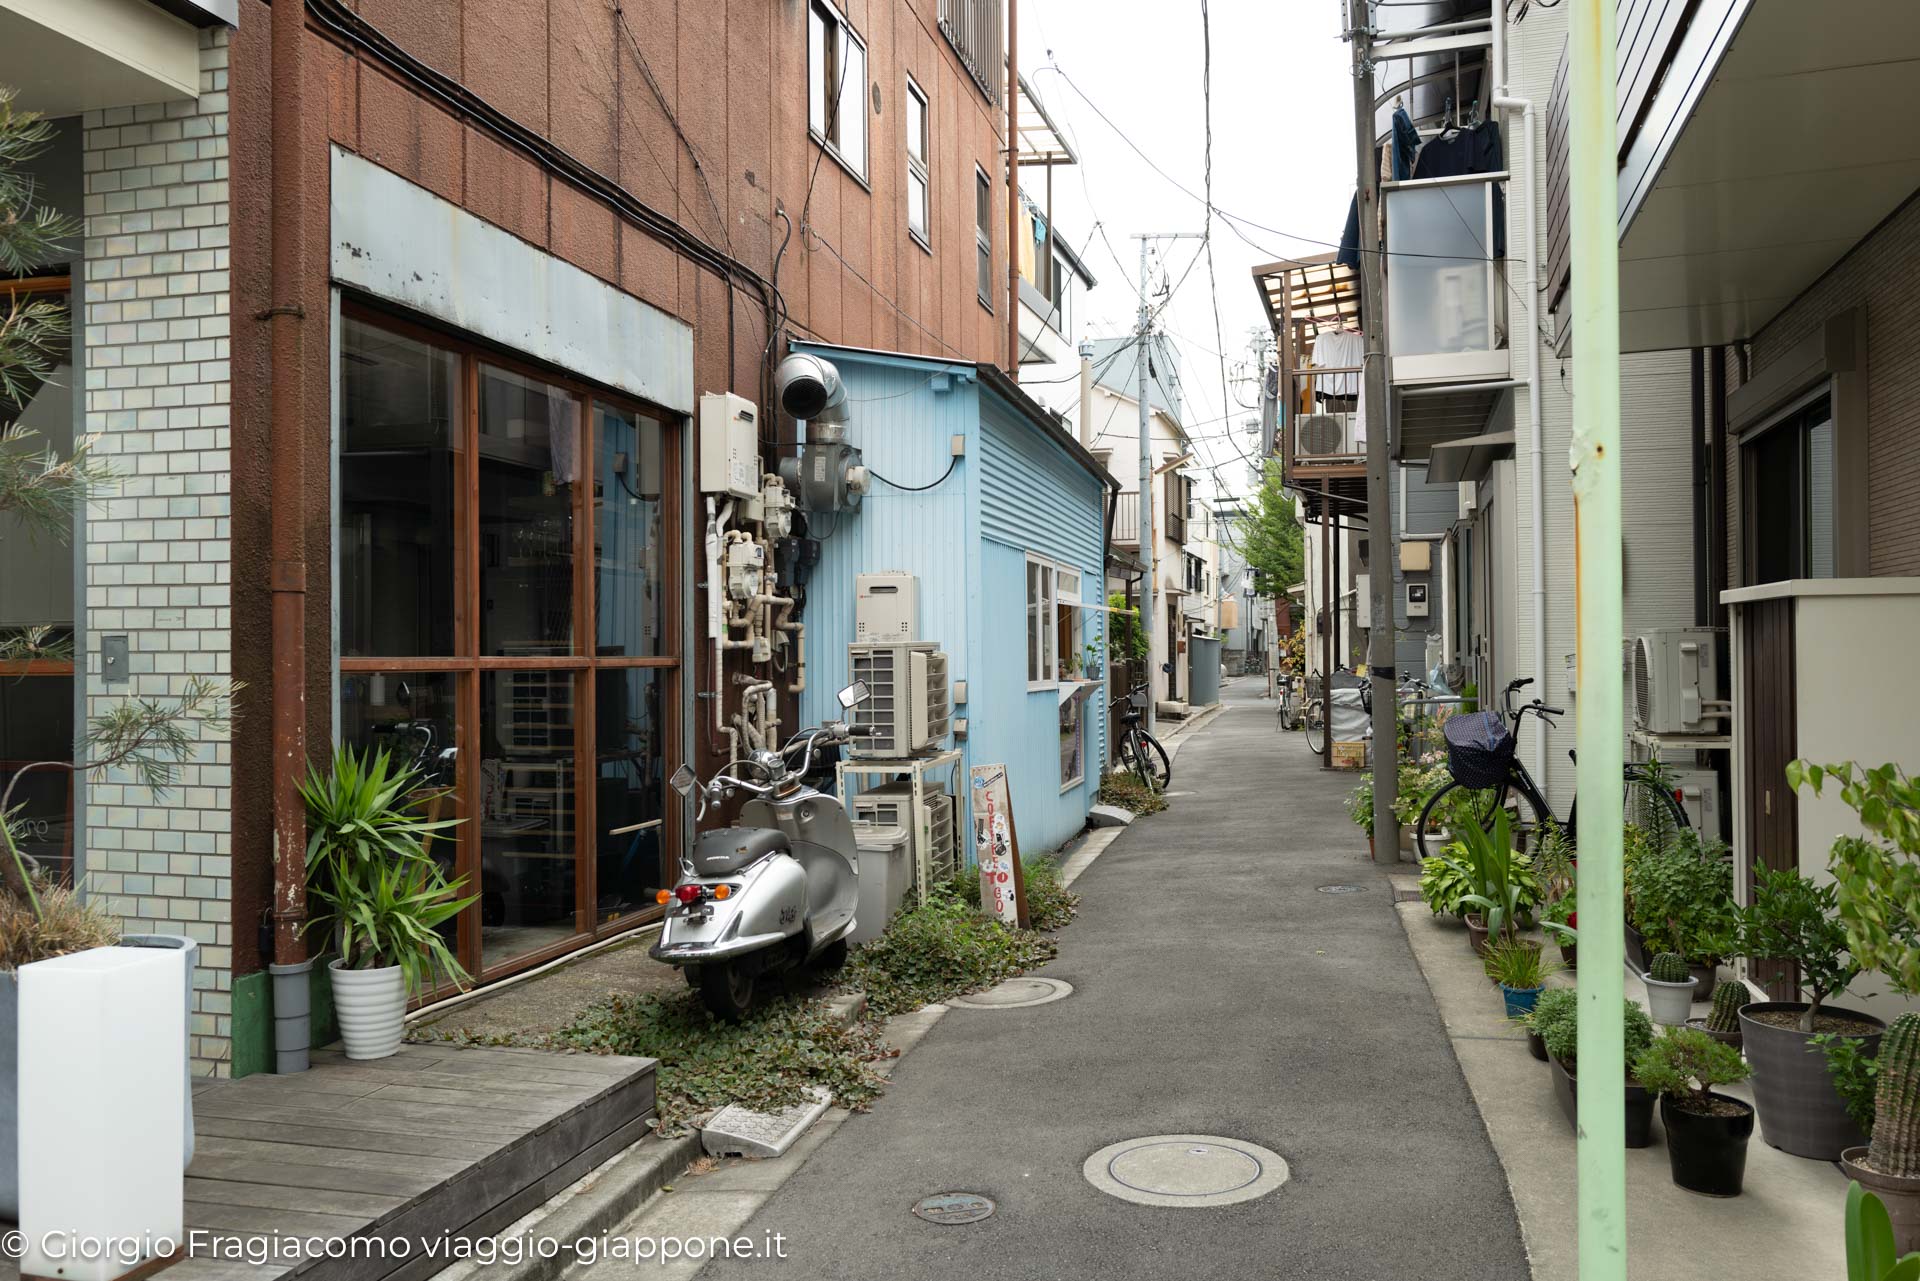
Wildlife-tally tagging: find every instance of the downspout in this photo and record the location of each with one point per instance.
(1537, 468)
(1013, 190)
(292, 1024)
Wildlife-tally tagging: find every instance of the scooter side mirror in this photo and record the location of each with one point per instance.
(683, 780)
(854, 694)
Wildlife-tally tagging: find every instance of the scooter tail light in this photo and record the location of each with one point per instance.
(687, 893)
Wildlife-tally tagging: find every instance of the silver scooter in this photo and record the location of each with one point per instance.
(775, 891)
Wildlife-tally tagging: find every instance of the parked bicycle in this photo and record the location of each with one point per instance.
(1315, 716)
(1483, 758)
(1139, 752)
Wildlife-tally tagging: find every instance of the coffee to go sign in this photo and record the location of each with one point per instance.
(996, 846)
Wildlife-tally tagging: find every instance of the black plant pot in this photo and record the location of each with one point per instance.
(1800, 1107)
(1708, 1154)
(1636, 950)
(1639, 1107)
(1536, 1046)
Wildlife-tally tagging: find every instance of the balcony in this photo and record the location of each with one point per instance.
(1319, 437)
(1447, 331)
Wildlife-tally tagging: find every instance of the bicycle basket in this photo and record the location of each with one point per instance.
(1479, 748)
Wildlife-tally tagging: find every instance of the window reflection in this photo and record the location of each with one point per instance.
(399, 447)
(529, 461)
(629, 608)
(631, 790)
(529, 828)
(36, 724)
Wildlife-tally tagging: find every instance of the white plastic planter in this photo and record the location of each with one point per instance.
(371, 1008)
(1669, 1004)
(102, 1074)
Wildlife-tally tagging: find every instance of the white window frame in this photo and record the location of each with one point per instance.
(831, 124)
(1043, 654)
(920, 166)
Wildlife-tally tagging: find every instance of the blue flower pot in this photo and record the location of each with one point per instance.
(1519, 1000)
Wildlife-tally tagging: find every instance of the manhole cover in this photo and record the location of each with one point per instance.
(953, 1208)
(1341, 889)
(1185, 1170)
(1015, 994)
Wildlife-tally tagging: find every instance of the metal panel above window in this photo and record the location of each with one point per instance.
(976, 32)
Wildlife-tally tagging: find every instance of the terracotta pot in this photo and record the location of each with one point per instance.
(1477, 934)
(1639, 1106)
(1800, 1107)
(1902, 1198)
(1708, 1154)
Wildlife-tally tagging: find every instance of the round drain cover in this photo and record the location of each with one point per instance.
(1185, 1170)
(953, 1208)
(1016, 993)
(1341, 889)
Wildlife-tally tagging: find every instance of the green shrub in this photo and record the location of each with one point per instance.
(1877, 876)
(1682, 894)
(1556, 1020)
(1792, 919)
(1855, 1075)
(1129, 793)
(1443, 882)
(941, 947)
(1050, 904)
(767, 1061)
(1685, 1064)
(1360, 804)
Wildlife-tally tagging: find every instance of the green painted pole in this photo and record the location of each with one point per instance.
(1595, 460)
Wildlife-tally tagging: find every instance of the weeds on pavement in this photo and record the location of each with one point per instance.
(1129, 793)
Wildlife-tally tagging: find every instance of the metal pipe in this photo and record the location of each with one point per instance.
(1013, 190)
(1087, 434)
(287, 488)
(1595, 461)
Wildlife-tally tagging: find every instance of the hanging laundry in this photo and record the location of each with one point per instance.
(1026, 246)
(1347, 392)
(1469, 151)
(1405, 146)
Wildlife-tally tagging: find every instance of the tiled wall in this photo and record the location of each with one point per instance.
(157, 545)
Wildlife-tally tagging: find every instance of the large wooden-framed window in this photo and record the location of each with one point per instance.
(37, 615)
(508, 601)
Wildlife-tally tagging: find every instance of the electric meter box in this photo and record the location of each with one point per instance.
(885, 607)
(729, 445)
(1417, 600)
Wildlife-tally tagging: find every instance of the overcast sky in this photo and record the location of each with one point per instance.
(1282, 156)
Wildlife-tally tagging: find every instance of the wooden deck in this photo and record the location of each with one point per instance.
(435, 1142)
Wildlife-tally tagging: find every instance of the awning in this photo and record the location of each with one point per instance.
(1469, 458)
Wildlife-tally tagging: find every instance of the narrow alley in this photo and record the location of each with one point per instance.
(1216, 992)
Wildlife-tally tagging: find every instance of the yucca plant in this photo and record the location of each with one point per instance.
(382, 895)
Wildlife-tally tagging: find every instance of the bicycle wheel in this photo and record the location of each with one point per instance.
(1150, 763)
(1315, 721)
(1637, 794)
(1431, 832)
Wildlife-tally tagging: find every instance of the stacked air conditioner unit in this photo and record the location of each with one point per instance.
(909, 706)
(1695, 787)
(890, 807)
(1674, 681)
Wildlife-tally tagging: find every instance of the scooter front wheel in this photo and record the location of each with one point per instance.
(726, 989)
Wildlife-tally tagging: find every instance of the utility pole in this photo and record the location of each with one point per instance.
(1143, 331)
(1595, 458)
(1373, 375)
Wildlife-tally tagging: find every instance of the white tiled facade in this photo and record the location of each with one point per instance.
(158, 558)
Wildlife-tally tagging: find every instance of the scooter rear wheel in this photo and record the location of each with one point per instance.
(726, 989)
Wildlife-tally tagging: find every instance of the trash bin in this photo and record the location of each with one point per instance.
(1203, 670)
(886, 873)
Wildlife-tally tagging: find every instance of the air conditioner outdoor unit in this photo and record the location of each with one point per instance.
(1676, 681)
(909, 708)
(889, 806)
(1316, 434)
(1695, 787)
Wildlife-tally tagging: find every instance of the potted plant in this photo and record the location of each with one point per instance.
(1707, 1132)
(1682, 895)
(1873, 1253)
(1557, 1021)
(1443, 883)
(1494, 869)
(1669, 989)
(1889, 1164)
(383, 898)
(1791, 919)
(1517, 966)
(1360, 807)
(1723, 1020)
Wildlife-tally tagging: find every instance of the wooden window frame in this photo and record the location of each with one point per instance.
(468, 666)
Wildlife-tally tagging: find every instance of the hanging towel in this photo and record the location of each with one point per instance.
(1406, 144)
(1335, 349)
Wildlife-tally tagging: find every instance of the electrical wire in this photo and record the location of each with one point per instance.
(952, 462)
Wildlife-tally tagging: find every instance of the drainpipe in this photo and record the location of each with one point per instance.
(292, 1027)
(1087, 434)
(1594, 457)
(1537, 468)
(1013, 190)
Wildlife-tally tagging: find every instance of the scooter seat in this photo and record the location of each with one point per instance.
(726, 851)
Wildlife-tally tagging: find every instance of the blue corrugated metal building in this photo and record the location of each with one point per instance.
(1003, 544)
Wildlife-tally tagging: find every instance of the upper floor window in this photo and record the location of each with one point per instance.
(983, 234)
(836, 86)
(918, 181)
(977, 34)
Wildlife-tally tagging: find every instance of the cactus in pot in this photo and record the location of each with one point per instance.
(1669, 989)
(1723, 1020)
(1890, 1164)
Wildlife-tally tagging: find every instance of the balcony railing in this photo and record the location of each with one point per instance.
(1446, 283)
